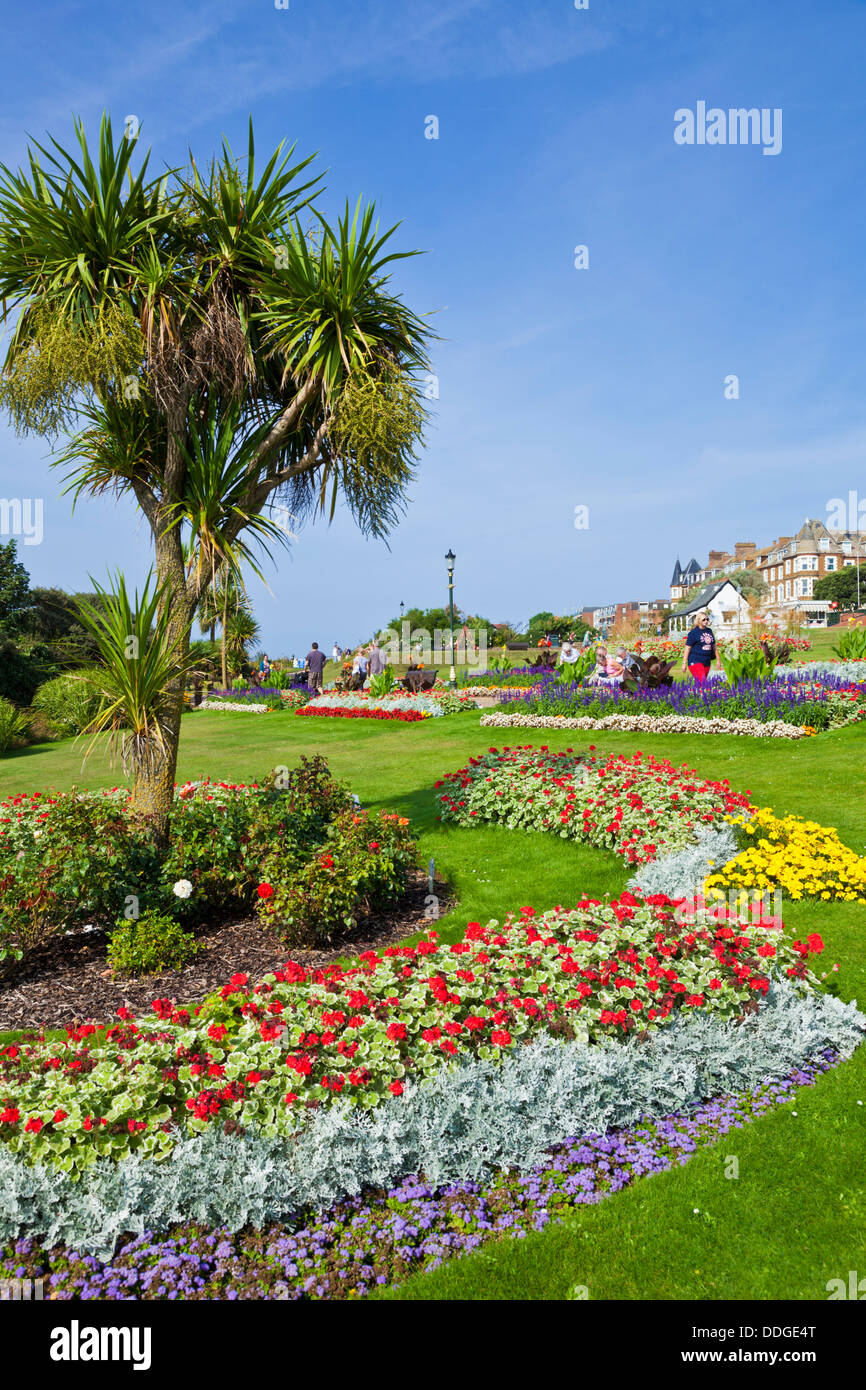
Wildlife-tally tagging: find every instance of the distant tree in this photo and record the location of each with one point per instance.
(51, 614)
(241, 630)
(539, 625)
(14, 590)
(427, 618)
(504, 632)
(750, 583)
(841, 587)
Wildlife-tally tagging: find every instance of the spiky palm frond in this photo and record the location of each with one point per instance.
(123, 441)
(327, 312)
(137, 671)
(222, 532)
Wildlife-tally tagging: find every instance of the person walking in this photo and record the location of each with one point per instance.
(315, 667)
(377, 658)
(335, 654)
(265, 665)
(700, 649)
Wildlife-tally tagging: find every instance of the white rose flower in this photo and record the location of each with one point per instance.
(183, 888)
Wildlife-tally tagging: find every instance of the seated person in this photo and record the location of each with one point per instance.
(626, 660)
(608, 669)
(568, 652)
(359, 671)
(600, 662)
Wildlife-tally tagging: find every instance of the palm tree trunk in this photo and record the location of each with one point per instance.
(153, 786)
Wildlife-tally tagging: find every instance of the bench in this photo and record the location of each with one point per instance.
(415, 681)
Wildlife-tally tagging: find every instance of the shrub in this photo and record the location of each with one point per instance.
(382, 684)
(14, 725)
(72, 858)
(69, 703)
(150, 944)
(75, 858)
(281, 677)
(852, 645)
(746, 666)
(21, 675)
(361, 868)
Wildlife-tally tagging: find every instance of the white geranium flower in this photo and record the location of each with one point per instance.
(183, 888)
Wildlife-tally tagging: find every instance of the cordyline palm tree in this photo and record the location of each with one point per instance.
(218, 356)
(240, 632)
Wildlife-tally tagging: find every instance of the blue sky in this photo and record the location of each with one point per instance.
(558, 387)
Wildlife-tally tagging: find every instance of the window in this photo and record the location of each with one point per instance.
(806, 562)
(846, 547)
(830, 563)
(824, 543)
(788, 568)
(788, 589)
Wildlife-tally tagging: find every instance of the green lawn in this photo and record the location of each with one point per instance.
(795, 1217)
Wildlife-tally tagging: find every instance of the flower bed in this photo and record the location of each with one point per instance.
(648, 723)
(805, 859)
(365, 1241)
(360, 704)
(235, 706)
(328, 711)
(475, 692)
(259, 1057)
(820, 703)
(448, 1060)
(637, 806)
(847, 673)
(71, 859)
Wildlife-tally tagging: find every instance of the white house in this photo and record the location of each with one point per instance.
(728, 610)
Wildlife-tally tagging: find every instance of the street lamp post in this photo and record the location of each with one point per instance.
(449, 560)
(402, 606)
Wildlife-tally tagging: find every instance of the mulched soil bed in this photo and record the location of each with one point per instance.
(67, 980)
